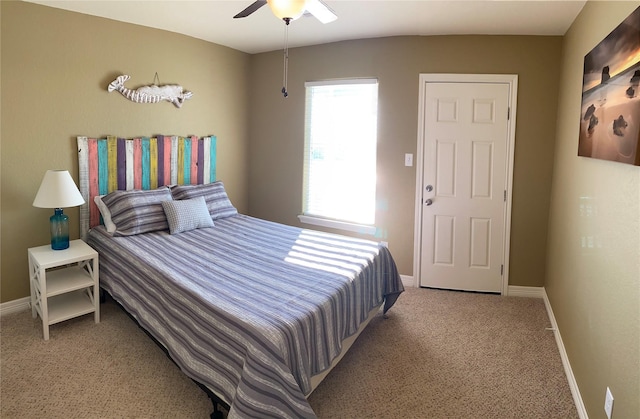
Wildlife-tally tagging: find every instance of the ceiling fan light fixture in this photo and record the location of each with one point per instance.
(287, 9)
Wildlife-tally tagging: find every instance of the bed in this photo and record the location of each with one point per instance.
(254, 311)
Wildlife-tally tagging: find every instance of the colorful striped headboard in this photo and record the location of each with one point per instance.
(109, 164)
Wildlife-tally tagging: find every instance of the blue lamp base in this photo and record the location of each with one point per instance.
(59, 230)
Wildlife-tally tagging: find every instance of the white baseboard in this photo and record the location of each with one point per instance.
(531, 292)
(407, 281)
(573, 385)
(15, 305)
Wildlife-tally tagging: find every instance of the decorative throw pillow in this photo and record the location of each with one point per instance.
(214, 194)
(187, 214)
(104, 212)
(135, 212)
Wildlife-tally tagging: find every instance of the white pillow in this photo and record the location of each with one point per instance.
(187, 214)
(106, 214)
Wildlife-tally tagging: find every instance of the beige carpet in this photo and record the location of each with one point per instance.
(440, 354)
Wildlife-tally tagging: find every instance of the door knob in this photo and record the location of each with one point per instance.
(429, 188)
(428, 202)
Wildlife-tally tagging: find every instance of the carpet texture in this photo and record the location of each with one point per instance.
(440, 354)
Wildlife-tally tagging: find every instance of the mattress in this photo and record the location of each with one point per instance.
(249, 308)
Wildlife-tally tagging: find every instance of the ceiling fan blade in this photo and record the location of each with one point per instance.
(321, 11)
(252, 8)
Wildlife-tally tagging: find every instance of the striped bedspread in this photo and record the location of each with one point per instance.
(249, 308)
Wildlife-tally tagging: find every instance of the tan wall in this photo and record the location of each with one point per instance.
(595, 291)
(277, 129)
(56, 66)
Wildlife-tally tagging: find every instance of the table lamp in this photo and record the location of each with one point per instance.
(58, 190)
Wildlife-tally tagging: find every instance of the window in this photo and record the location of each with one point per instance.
(340, 154)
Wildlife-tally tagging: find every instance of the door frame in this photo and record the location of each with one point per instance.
(512, 81)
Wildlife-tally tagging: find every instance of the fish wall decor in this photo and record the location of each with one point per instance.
(151, 94)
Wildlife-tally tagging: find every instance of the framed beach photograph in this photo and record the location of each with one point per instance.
(610, 115)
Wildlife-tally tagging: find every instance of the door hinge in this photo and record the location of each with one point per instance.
(508, 113)
(505, 195)
(501, 270)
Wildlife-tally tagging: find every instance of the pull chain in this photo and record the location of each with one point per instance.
(285, 75)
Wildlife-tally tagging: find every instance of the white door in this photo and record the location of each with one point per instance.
(465, 173)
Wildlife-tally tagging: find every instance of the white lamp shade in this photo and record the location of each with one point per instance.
(58, 190)
(290, 9)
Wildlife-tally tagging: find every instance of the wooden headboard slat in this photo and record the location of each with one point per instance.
(112, 163)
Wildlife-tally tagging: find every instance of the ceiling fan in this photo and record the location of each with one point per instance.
(292, 9)
(289, 10)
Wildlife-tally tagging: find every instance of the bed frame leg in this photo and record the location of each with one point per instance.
(217, 414)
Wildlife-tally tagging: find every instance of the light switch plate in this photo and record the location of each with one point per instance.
(408, 159)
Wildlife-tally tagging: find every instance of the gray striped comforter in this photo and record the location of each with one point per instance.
(249, 308)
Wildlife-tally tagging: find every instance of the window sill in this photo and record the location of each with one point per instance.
(339, 225)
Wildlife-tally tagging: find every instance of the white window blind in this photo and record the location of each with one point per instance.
(340, 150)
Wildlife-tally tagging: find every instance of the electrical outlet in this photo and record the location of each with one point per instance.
(608, 403)
(408, 159)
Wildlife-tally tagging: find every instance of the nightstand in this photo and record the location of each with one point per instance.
(64, 283)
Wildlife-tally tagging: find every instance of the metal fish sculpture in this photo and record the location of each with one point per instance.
(151, 94)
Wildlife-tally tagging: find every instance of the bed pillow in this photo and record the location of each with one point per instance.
(187, 214)
(105, 213)
(135, 212)
(214, 194)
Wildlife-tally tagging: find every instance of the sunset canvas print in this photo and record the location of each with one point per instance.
(610, 116)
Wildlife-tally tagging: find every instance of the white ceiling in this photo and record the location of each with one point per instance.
(212, 20)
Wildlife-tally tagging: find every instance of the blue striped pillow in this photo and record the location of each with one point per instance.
(135, 212)
(214, 194)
